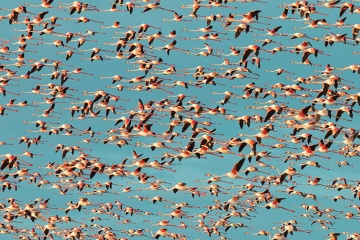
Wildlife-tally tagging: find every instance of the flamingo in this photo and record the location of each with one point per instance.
(83, 20)
(271, 32)
(284, 15)
(156, 5)
(275, 204)
(234, 173)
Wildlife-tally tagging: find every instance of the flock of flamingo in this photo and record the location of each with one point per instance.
(222, 119)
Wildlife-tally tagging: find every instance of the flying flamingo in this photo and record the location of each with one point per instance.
(83, 20)
(152, 6)
(234, 173)
(275, 204)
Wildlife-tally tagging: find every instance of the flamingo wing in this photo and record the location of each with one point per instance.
(282, 177)
(269, 114)
(305, 56)
(338, 114)
(238, 165)
(246, 54)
